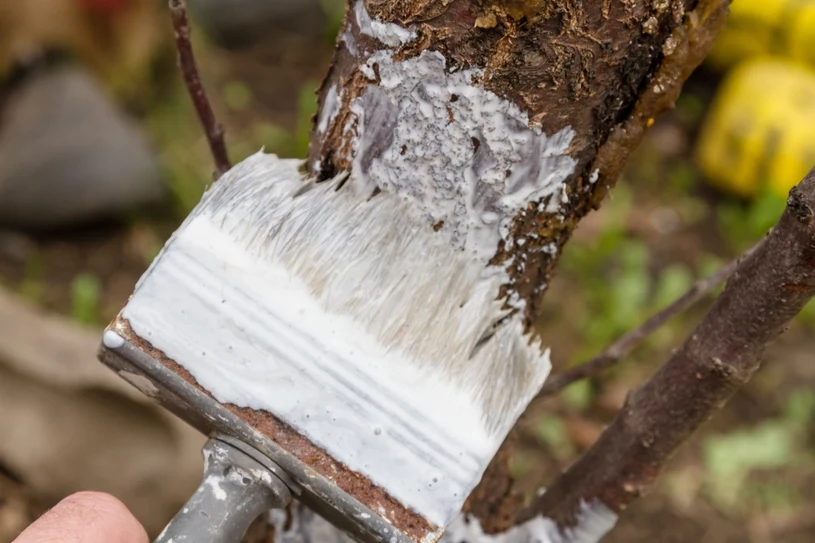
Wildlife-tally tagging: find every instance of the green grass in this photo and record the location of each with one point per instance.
(184, 153)
(744, 223)
(32, 286)
(734, 461)
(617, 286)
(86, 293)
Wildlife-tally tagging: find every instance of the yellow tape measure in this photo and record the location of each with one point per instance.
(760, 132)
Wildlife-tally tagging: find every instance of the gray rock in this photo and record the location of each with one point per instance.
(67, 155)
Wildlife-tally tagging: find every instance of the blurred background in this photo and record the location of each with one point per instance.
(101, 157)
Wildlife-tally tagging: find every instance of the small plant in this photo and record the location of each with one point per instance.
(617, 287)
(237, 95)
(334, 11)
(742, 223)
(86, 293)
(32, 286)
(776, 443)
(184, 154)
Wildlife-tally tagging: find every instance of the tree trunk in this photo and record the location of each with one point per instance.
(768, 289)
(504, 122)
(432, 91)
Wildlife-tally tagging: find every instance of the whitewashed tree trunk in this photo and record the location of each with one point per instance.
(502, 122)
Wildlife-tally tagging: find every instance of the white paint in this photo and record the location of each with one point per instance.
(304, 526)
(330, 110)
(141, 382)
(342, 316)
(594, 521)
(392, 35)
(161, 535)
(595, 175)
(368, 71)
(112, 340)
(458, 152)
(214, 483)
(350, 43)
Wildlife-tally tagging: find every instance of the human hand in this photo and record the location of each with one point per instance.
(86, 517)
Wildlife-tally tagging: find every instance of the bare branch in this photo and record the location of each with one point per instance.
(764, 294)
(627, 342)
(192, 79)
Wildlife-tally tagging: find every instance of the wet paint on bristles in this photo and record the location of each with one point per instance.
(349, 319)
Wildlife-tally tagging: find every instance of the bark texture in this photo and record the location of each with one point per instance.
(604, 68)
(768, 289)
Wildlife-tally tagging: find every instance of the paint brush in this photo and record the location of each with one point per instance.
(352, 342)
(339, 336)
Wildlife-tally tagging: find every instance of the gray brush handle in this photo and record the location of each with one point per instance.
(235, 490)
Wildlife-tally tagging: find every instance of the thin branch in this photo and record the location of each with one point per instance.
(767, 290)
(192, 79)
(631, 339)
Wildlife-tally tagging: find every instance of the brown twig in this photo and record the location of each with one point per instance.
(192, 79)
(767, 290)
(627, 342)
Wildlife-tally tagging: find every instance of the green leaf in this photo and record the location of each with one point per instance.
(800, 408)
(237, 95)
(682, 177)
(86, 292)
(521, 463)
(673, 282)
(273, 138)
(730, 458)
(334, 10)
(32, 286)
(630, 289)
(551, 432)
(690, 107)
(807, 315)
(578, 396)
(774, 495)
(765, 212)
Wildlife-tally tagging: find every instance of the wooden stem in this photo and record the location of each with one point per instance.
(192, 79)
(615, 352)
(767, 290)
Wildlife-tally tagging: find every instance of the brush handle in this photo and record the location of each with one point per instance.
(235, 489)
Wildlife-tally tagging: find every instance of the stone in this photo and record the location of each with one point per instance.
(68, 155)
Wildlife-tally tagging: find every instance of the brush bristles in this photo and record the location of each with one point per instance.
(350, 319)
(377, 262)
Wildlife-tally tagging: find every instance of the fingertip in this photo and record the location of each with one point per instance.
(86, 517)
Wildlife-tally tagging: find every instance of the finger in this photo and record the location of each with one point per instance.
(86, 517)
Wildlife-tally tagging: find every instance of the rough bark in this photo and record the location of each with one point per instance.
(604, 68)
(768, 289)
(603, 71)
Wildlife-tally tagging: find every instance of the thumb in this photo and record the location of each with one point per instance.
(86, 517)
